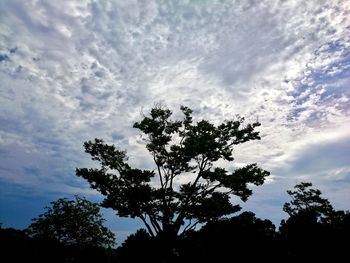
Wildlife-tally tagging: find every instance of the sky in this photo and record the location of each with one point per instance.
(71, 71)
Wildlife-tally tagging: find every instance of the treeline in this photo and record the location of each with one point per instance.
(17, 246)
(246, 237)
(314, 231)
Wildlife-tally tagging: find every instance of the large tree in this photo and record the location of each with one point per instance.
(72, 222)
(187, 185)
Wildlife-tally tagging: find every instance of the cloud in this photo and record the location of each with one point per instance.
(321, 160)
(75, 70)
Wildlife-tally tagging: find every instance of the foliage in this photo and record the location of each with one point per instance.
(217, 241)
(180, 149)
(17, 246)
(139, 247)
(239, 238)
(314, 229)
(72, 222)
(236, 238)
(306, 200)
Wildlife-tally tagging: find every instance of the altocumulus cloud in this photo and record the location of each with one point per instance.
(74, 70)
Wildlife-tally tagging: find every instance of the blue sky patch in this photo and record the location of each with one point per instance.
(4, 57)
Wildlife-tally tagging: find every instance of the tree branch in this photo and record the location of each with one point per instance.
(159, 173)
(181, 215)
(189, 227)
(147, 225)
(202, 166)
(209, 190)
(166, 210)
(154, 223)
(166, 177)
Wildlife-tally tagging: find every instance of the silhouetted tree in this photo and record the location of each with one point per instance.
(15, 245)
(72, 222)
(306, 200)
(314, 229)
(183, 148)
(138, 247)
(243, 237)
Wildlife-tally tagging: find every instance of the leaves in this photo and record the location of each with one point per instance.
(178, 148)
(212, 207)
(307, 200)
(72, 222)
(107, 155)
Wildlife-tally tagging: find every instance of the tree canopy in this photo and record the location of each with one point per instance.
(307, 200)
(186, 186)
(72, 222)
(314, 230)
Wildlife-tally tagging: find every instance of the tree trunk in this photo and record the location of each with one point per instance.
(168, 242)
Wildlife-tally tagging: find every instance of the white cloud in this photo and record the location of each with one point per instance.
(77, 70)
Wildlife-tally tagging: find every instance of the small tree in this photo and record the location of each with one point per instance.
(72, 222)
(180, 149)
(311, 231)
(306, 200)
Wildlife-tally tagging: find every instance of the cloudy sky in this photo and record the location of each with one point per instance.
(71, 71)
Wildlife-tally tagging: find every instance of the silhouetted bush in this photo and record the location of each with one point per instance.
(17, 246)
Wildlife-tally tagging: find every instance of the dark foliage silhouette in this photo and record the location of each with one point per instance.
(314, 229)
(181, 148)
(72, 222)
(242, 237)
(17, 246)
(223, 240)
(306, 200)
(314, 232)
(139, 247)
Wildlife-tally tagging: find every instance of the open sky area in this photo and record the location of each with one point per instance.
(71, 71)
